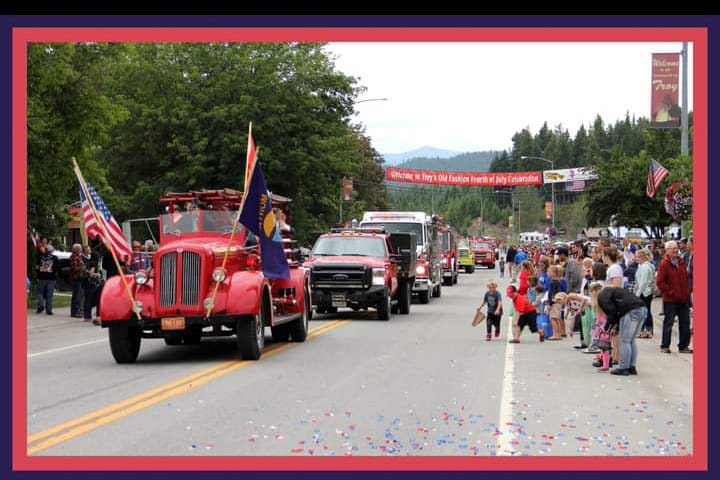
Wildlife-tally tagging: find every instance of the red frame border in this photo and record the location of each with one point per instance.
(698, 460)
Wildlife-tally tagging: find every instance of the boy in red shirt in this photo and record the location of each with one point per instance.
(526, 314)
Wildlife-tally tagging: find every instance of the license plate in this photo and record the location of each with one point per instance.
(172, 323)
(339, 301)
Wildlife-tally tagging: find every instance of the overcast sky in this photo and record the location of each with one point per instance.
(475, 96)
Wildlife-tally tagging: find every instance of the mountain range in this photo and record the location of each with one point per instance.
(432, 158)
(392, 159)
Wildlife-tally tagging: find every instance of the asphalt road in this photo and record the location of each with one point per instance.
(427, 383)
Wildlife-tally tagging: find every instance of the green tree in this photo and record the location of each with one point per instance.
(619, 193)
(70, 114)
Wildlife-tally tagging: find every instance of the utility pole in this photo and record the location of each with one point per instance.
(684, 118)
(482, 215)
(432, 199)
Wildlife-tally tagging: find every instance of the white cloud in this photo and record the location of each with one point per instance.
(475, 96)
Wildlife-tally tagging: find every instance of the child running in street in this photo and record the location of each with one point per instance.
(493, 300)
(525, 314)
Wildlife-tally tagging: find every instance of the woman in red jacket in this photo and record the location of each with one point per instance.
(525, 314)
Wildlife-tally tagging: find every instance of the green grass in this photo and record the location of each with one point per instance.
(59, 301)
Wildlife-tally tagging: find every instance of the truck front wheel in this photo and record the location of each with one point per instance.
(404, 298)
(250, 333)
(383, 308)
(299, 328)
(424, 296)
(125, 343)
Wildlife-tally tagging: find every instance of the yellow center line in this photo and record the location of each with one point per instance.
(117, 410)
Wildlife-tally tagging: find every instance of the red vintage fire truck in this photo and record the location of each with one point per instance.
(450, 266)
(173, 297)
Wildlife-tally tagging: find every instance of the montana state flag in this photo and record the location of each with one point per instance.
(257, 215)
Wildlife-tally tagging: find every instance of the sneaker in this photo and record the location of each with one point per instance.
(621, 371)
(685, 350)
(632, 370)
(542, 337)
(514, 341)
(580, 347)
(39, 310)
(665, 350)
(488, 338)
(76, 315)
(497, 333)
(49, 313)
(591, 350)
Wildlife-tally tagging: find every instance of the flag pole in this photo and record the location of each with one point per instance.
(247, 158)
(105, 235)
(232, 235)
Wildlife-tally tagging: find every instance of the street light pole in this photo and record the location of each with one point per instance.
(552, 166)
(372, 100)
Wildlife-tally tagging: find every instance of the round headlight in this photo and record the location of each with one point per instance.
(208, 303)
(420, 270)
(141, 277)
(218, 274)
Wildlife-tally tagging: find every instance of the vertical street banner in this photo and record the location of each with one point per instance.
(347, 188)
(665, 105)
(548, 210)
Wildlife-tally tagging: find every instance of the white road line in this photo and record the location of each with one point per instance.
(506, 408)
(69, 347)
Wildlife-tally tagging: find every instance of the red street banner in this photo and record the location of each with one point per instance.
(479, 179)
(548, 210)
(666, 110)
(347, 186)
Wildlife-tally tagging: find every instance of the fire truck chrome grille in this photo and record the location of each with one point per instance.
(191, 278)
(168, 279)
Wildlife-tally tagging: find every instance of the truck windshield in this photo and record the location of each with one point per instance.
(366, 246)
(481, 245)
(446, 241)
(197, 221)
(400, 227)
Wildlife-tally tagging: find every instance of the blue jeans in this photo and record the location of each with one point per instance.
(630, 324)
(77, 294)
(45, 290)
(648, 325)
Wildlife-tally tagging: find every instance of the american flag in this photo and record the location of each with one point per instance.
(575, 186)
(656, 175)
(117, 238)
